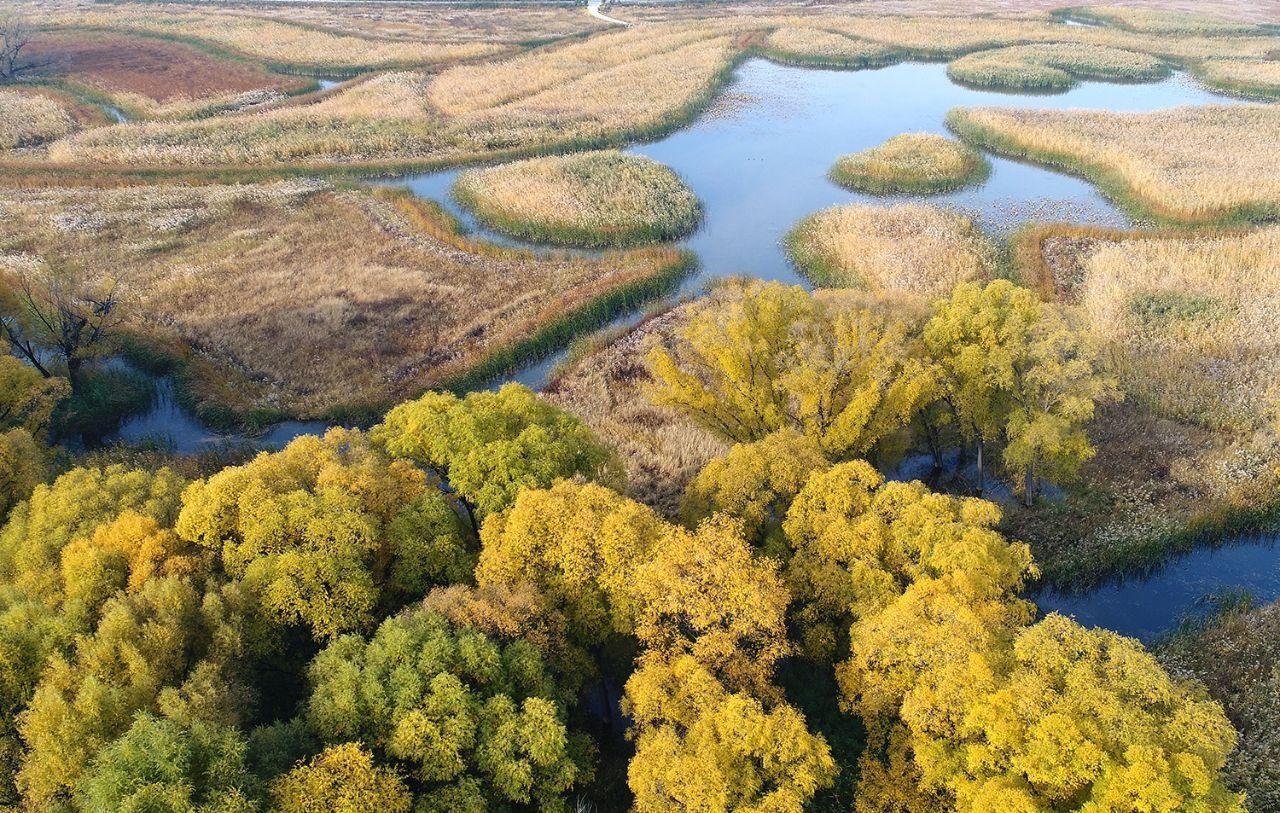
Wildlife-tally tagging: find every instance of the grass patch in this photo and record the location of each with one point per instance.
(593, 199)
(912, 163)
(815, 47)
(1256, 78)
(1053, 67)
(908, 248)
(1188, 164)
(101, 401)
(29, 118)
(1159, 21)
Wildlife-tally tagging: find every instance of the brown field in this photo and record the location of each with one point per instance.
(316, 296)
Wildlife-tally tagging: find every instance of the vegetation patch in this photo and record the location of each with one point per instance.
(1191, 164)
(910, 248)
(797, 45)
(28, 119)
(103, 398)
(586, 199)
(1054, 66)
(1159, 21)
(1258, 78)
(914, 163)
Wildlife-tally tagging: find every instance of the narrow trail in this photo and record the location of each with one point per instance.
(593, 8)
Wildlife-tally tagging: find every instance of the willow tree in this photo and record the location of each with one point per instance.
(766, 357)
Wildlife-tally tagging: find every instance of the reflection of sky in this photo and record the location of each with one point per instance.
(1185, 588)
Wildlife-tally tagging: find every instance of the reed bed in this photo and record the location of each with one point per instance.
(321, 300)
(1160, 21)
(908, 248)
(1193, 323)
(280, 43)
(913, 163)
(1054, 66)
(800, 45)
(1245, 77)
(592, 199)
(1192, 164)
(28, 119)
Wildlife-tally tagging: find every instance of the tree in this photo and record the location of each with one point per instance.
(859, 542)
(580, 546)
(57, 309)
(701, 747)
(74, 505)
(476, 719)
(765, 357)
(16, 33)
(24, 464)
(162, 765)
(754, 482)
(1013, 370)
(28, 398)
(343, 779)
(327, 532)
(489, 445)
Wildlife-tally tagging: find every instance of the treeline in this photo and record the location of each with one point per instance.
(434, 615)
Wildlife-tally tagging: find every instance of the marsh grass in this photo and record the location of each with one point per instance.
(1257, 78)
(1053, 67)
(101, 401)
(592, 199)
(1158, 21)
(912, 163)
(909, 248)
(801, 45)
(1187, 164)
(29, 118)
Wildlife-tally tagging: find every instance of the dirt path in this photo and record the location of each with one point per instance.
(593, 8)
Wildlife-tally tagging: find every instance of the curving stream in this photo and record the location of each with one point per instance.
(758, 160)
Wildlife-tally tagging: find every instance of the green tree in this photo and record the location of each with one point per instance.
(1013, 370)
(489, 445)
(701, 747)
(754, 482)
(476, 719)
(327, 532)
(765, 357)
(161, 765)
(24, 464)
(343, 779)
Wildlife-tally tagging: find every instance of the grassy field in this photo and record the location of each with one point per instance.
(29, 118)
(1245, 77)
(913, 163)
(586, 199)
(1160, 21)
(319, 300)
(1186, 164)
(1053, 66)
(805, 45)
(910, 248)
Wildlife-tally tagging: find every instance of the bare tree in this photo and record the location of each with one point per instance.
(16, 33)
(55, 313)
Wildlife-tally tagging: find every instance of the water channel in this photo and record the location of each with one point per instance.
(758, 160)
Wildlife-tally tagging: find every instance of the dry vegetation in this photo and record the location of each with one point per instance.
(28, 119)
(1246, 77)
(153, 78)
(908, 248)
(585, 199)
(1161, 21)
(1187, 164)
(297, 47)
(918, 163)
(319, 297)
(803, 45)
(1054, 66)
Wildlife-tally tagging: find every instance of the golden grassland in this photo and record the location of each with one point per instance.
(28, 119)
(602, 198)
(1190, 324)
(1054, 66)
(318, 297)
(917, 163)
(1160, 21)
(1244, 77)
(806, 45)
(280, 43)
(909, 248)
(1193, 164)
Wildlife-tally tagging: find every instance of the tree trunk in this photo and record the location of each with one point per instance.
(1029, 487)
(981, 474)
(74, 370)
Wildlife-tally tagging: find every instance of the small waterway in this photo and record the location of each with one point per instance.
(1185, 588)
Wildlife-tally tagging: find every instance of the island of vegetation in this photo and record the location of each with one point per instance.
(1054, 67)
(591, 199)
(911, 163)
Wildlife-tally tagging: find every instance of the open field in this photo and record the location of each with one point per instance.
(320, 298)
(153, 78)
(1186, 164)
(585, 199)
(907, 248)
(1054, 66)
(914, 163)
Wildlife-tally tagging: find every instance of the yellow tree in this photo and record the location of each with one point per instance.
(764, 357)
(700, 746)
(342, 779)
(27, 398)
(24, 464)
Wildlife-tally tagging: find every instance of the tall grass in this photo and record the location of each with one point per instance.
(1159, 21)
(1258, 78)
(911, 248)
(28, 119)
(1189, 164)
(913, 163)
(802, 45)
(1054, 66)
(586, 199)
